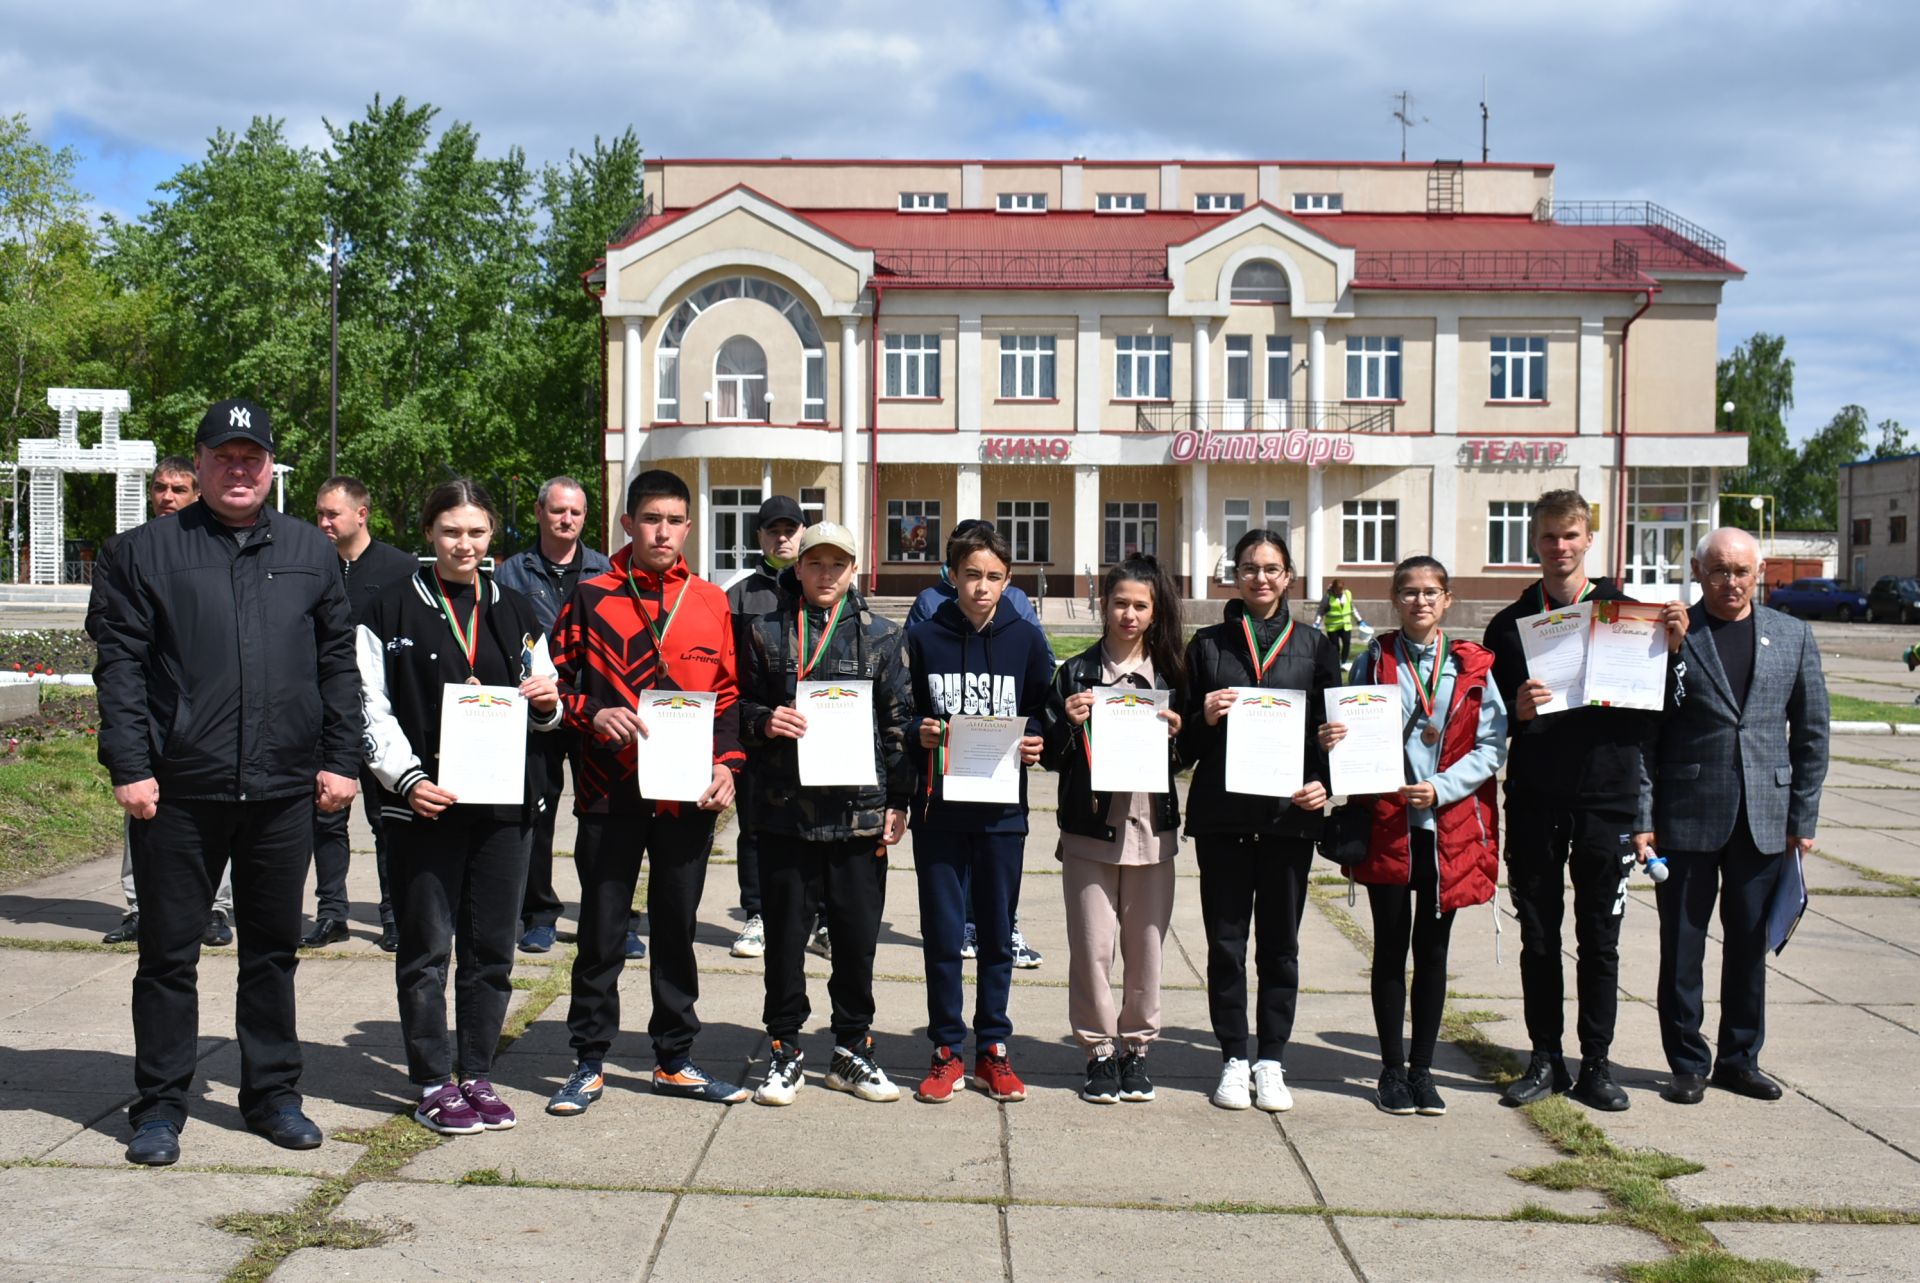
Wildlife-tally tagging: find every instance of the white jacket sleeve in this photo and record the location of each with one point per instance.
(389, 756)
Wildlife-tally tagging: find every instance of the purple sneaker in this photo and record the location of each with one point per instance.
(446, 1111)
(494, 1113)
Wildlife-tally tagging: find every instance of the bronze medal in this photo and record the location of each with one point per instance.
(1430, 734)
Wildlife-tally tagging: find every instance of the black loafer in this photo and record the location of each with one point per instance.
(1750, 1083)
(289, 1129)
(325, 932)
(389, 938)
(156, 1144)
(128, 932)
(1685, 1089)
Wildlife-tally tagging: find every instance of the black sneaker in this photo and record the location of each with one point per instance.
(219, 931)
(128, 932)
(854, 1070)
(1103, 1081)
(1596, 1088)
(1394, 1096)
(1546, 1076)
(1134, 1083)
(1426, 1097)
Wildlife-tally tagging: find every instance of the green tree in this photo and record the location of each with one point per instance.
(1758, 379)
(1893, 440)
(1809, 499)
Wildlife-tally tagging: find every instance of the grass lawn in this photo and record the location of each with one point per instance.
(56, 808)
(1845, 708)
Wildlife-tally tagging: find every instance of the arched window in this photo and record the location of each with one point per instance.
(740, 381)
(1260, 282)
(813, 404)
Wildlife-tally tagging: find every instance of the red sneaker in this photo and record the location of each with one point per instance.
(993, 1074)
(947, 1071)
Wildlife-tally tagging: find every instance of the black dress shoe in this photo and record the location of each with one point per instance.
(288, 1128)
(1750, 1083)
(389, 938)
(1596, 1088)
(128, 932)
(218, 931)
(1685, 1089)
(1546, 1075)
(325, 932)
(156, 1144)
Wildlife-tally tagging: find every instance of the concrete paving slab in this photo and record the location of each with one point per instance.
(1907, 1016)
(471, 1232)
(1879, 1253)
(1824, 874)
(32, 981)
(1439, 1251)
(1835, 952)
(34, 1123)
(726, 1238)
(1885, 850)
(89, 1221)
(1894, 921)
(1075, 1243)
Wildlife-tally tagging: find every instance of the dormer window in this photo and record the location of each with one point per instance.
(1219, 202)
(1021, 202)
(1316, 202)
(923, 202)
(1120, 203)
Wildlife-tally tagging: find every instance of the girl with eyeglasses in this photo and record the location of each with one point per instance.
(1434, 845)
(1254, 852)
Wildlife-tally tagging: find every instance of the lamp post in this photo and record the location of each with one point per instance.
(330, 254)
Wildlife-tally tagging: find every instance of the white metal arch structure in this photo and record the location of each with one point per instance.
(48, 461)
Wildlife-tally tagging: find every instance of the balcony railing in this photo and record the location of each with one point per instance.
(1498, 268)
(1262, 416)
(1023, 269)
(1679, 243)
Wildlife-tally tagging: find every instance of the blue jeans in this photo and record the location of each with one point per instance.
(943, 862)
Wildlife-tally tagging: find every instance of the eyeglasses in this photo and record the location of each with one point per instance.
(1411, 595)
(1729, 576)
(1262, 572)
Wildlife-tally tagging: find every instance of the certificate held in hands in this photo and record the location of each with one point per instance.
(1369, 759)
(1267, 742)
(1127, 743)
(1555, 644)
(981, 759)
(675, 756)
(483, 745)
(837, 750)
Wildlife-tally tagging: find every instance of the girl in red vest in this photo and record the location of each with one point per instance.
(1435, 843)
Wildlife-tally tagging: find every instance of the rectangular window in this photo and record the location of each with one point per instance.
(813, 504)
(1239, 367)
(1896, 529)
(1219, 202)
(813, 407)
(1279, 518)
(1028, 527)
(666, 386)
(1026, 367)
(1275, 515)
(1021, 202)
(1143, 367)
(1120, 203)
(736, 526)
(1316, 202)
(1373, 368)
(1862, 531)
(923, 202)
(1509, 533)
(1132, 530)
(1370, 531)
(913, 365)
(913, 529)
(1519, 369)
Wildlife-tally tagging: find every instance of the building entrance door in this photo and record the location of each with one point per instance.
(1658, 557)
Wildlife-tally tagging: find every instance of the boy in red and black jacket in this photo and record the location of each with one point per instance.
(646, 624)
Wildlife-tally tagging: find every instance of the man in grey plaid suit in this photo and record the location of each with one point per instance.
(1735, 785)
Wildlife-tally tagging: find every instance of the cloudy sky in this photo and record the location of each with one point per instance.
(1790, 129)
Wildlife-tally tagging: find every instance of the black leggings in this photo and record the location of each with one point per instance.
(1344, 640)
(1401, 914)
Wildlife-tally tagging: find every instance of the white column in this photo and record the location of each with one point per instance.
(966, 494)
(1198, 547)
(1202, 373)
(849, 425)
(1592, 405)
(1086, 522)
(1086, 374)
(1444, 505)
(632, 386)
(1446, 378)
(704, 533)
(1312, 560)
(1316, 367)
(766, 480)
(966, 373)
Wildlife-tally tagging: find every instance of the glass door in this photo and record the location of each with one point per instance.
(1234, 414)
(736, 527)
(1658, 557)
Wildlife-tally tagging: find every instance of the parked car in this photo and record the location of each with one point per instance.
(1819, 599)
(1894, 599)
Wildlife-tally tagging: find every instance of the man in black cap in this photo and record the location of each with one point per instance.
(229, 710)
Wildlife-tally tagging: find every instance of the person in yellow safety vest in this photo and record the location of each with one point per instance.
(1336, 617)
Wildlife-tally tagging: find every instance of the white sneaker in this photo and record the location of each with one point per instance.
(855, 1070)
(784, 1078)
(1270, 1087)
(752, 940)
(1231, 1092)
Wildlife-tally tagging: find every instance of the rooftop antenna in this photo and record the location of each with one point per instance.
(1483, 120)
(1404, 114)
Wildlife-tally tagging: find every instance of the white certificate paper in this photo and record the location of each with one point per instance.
(1627, 660)
(1369, 759)
(1555, 644)
(1267, 742)
(983, 759)
(483, 745)
(675, 756)
(838, 749)
(1129, 739)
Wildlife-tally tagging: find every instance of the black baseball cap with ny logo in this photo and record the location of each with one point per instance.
(235, 419)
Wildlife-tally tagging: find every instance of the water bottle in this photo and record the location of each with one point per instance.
(1657, 868)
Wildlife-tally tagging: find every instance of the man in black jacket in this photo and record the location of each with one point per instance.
(1574, 787)
(367, 568)
(229, 709)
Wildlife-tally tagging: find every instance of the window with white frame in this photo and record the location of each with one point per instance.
(1279, 371)
(813, 405)
(666, 398)
(734, 512)
(1026, 367)
(1278, 517)
(1519, 369)
(1028, 526)
(1259, 282)
(1316, 202)
(923, 202)
(1219, 202)
(813, 504)
(1373, 368)
(1510, 533)
(1370, 531)
(1239, 369)
(913, 365)
(1021, 202)
(1131, 530)
(1143, 367)
(740, 381)
(913, 530)
(666, 385)
(1237, 518)
(1120, 203)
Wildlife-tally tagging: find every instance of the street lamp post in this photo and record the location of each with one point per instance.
(330, 249)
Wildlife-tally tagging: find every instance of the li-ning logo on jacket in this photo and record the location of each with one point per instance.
(974, 694)
(701, 655)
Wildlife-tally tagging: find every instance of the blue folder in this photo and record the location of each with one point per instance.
(1787, 903)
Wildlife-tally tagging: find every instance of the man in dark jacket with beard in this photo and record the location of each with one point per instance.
(229, 710)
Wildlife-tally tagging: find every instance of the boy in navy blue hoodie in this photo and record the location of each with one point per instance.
(972, 657)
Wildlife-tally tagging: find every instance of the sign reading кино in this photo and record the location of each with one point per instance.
(1296, 446)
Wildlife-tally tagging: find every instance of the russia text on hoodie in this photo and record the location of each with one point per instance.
(1002, 670)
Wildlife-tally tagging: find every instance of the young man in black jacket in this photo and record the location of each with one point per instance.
(824, 848)
(1574, 784)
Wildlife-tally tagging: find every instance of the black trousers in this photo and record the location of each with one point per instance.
(1544, 850)
(457, 882)
(1344, 640)
(332, 852)
(178, 857)
(1742, 877)
(541, 905)
(746, 848)
(607, 857)
(1257, 882)
(848, 880)
(1402, 916)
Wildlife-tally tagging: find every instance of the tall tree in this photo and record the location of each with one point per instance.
(1893, 440)
(1809, 499)
(1758, 379)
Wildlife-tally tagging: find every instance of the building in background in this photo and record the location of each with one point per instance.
(1878, 499)
(1108, 357)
